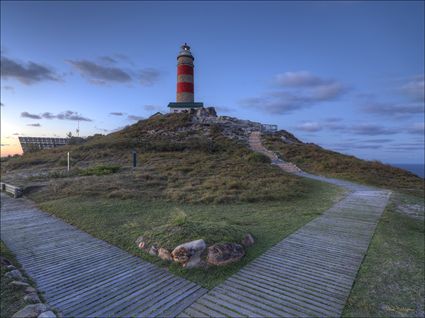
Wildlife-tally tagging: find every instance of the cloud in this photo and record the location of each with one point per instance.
(379, 141)
(28, 115)
(332, 119)
(34, 125)
(223, 109)
(108, 59)
(29, 73)
(100, 74)
(71, 115)
(372, 130)
(394, 110)
(102, 129)
(9, 88)
(296, 90)
(48, 115)
(116, 114)
(417, 128)
(134, 117)
(309, 127)
(149, 76)
(415, 88)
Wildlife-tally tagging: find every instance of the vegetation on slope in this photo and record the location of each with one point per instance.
(314, 159)
(390, 282)
(177, 161)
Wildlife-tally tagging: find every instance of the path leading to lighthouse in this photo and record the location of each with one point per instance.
(308, 274)
(85, 277)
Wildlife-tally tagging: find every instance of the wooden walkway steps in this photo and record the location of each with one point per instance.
(86, 277)
(308, 274)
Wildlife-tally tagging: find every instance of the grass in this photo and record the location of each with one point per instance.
(120, 222)
(390, 282)
(12, 299)
(314, 159)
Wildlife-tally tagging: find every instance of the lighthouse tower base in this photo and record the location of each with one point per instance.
(178, 107)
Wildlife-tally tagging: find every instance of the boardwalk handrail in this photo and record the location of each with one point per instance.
(16, 192)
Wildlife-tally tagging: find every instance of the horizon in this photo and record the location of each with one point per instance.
(347, 76)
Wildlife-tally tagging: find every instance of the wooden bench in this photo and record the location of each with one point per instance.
(16, 192)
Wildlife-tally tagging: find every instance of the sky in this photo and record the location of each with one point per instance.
(348, 76)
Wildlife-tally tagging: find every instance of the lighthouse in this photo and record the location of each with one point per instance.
(185, 82)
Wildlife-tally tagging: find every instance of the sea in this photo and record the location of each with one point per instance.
(418, 169)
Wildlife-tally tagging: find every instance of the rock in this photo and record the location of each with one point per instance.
(14, 274)
(4, 261)
(47, 314)
(153, 250)
(225, 253)
(18, 284)
(188, 254)
(10, 268)
(32, 298)
(204, 112)
(164, 254)
(140, 242)
(30, 290)
(248, 240)
(31, 311)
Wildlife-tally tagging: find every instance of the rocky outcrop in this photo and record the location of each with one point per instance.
(248, 240)
(189, 254)
(31, 311)
(164, 254)
(225, 253)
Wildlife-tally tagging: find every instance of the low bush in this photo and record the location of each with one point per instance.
(100, 170)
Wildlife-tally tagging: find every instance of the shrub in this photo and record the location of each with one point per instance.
(258, 158)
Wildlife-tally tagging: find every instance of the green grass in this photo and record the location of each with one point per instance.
(390, 282)
(11, 299)
(120, 222)
(314, 159)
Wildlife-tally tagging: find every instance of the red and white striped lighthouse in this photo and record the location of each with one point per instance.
(185, 83)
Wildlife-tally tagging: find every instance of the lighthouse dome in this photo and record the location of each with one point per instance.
(185, 51)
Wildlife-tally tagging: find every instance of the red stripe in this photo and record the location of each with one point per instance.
(184, 87)
(184, 70)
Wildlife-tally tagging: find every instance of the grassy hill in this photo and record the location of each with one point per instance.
(317, 160)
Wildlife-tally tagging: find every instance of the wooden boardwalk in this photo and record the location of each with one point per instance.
(308, 274)
(86, 277)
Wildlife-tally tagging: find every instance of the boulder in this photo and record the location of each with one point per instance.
(189, 254)
(32, 298)
(30, 290)
(140, 242)
(164, 254)
(153, 250)
(18, 284)
(31, 311)
(248, 240)
(47, 314)
(225, 253)
(14, 274)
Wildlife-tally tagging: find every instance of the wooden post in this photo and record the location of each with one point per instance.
(68, 161)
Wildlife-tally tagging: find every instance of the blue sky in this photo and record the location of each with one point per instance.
(348, 76)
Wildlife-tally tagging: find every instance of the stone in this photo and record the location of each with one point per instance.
(140, 242)
(10, 267)
(189, 254)
(18, 284)
(47, 314)
(32, 298)
(248, 240)
(164, 254)
(4, 261)
(225, 253)
(30, 290)
(31, 311)
(153, 250)
(14, 274)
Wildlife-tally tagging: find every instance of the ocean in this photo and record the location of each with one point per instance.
(418, 169)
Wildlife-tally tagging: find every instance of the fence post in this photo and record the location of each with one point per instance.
(68, 161)
(134, 157)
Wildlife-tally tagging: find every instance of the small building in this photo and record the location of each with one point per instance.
(185, 100)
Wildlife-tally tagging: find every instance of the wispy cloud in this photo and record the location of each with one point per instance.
(27, 73)
(29, 115)
(100, 74)
(294, 91)
(415, 88)
(309, 127)
(117, 114)
(394, 110)
(134, 117)
(149, 76)
(417, 128)
(34, 125)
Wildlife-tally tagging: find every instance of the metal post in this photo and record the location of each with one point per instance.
(68, 161)
(134, 159)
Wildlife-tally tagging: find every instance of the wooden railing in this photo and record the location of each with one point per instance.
(16, 192)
